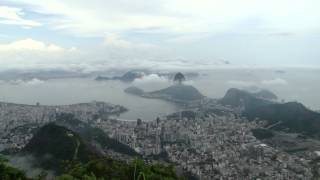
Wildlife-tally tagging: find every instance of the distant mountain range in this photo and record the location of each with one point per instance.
(178, 93)
(292, 116)
(127, 77)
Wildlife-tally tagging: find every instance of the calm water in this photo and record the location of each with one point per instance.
(299, 85)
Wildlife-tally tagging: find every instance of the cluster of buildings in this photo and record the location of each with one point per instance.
(210, 142)
(210, 146)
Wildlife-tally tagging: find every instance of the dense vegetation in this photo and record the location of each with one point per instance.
(235, 97)
(292, 116)
(93, 135)
(102, 169)
(8, 172)
(62, 150)
(108, 168)
(53, 144)
(260, 133)
(265, 94)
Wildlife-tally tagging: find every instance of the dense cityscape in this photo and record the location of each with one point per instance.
(210, 141)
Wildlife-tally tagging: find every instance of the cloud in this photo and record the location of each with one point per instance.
(32, 82)
(273, 82)
(30, 45)
(30, 53)
(27, 164)
(115, 41)
(151, 78)
(14, 16)
(146, 31)
(238, 83)
(95, 17)
(256, 84)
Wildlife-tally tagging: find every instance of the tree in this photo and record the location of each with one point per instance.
(8, 172)
(179, 77)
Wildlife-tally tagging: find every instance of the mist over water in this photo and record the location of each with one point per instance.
(290, 85)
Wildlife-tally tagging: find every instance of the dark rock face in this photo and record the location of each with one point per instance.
(178, 92)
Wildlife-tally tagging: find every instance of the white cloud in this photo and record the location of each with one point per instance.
(273, 82)
(256, 32)
(32, 82)
(114, 40)
(30, 45)
(14, 16)
(29, 53)
(98, 17)
(151, 78)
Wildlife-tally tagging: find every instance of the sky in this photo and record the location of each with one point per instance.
(168, 34)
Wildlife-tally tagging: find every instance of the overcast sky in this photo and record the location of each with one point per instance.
(158, 33)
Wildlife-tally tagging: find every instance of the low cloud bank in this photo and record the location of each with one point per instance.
(26, 163)
(31, 82)
(151, 78)
(272, 82)
(262, 83)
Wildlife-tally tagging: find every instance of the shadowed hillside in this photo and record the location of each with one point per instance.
(235, 98)
(292, 115)
(53, 144)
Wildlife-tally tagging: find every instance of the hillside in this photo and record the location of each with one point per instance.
(292, 116)
(235, 98)
(178, 92)
(93, 135)
(265, 94)
(102, 168)
(53, 144)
